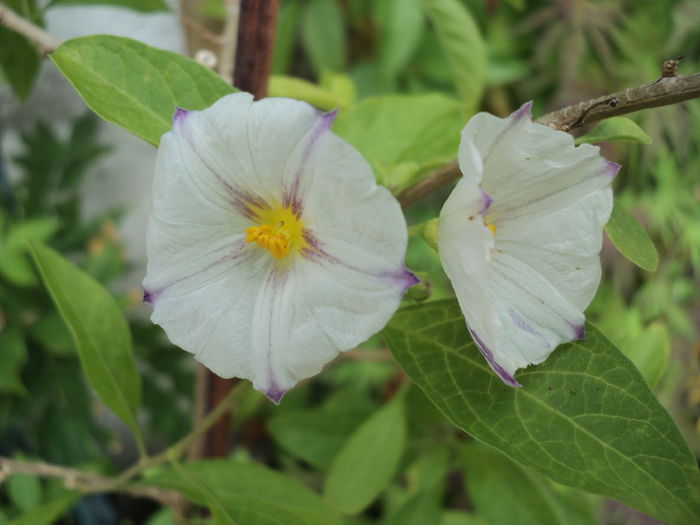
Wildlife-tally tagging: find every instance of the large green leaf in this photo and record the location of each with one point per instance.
(136, 86)
(367, 463)
(615, 129)
(323, 35)
(462, 43)
(402, 136)
(136, 5)
(492, 478)
(13, 354)
(585, 417)
(402, 23)
(99, 330)
(251, 494)
(630, 239)
(14, 262)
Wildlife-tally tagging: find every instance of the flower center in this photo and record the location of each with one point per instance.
(491, 227)
(281, 232)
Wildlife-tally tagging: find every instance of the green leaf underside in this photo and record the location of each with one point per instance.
(99, 331)
(368, 461)
(585, 417)
(630, 239)
(615, 129)
(137, 5)
(250, 493)
(463, 46)
(136, 86)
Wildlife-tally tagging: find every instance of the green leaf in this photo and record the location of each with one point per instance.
(369, 460)
(615, 129)
(630, 239)
(14, 264)
(463, 46)
(24, 491)
(317, 435)
(13, 355)
(585, 417)
(403, 136)
(19, 62)
(136, 86)
(99, 330)
(251, 494)
(285, 36)
(402, 23)
(323, 35)
(137, 5)
(300, 89)
(47, 513)
(649, 351)
(492, 478)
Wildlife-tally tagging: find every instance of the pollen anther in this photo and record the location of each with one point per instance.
(275, 239)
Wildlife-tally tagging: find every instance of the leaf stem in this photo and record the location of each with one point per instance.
(45, 41)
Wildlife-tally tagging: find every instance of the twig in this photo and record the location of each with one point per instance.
(46, 42)
(229, 40)
(664, 91)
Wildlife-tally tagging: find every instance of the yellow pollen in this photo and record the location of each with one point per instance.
(491, 227)
(280, 233)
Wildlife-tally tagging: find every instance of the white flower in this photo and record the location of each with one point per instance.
(520, 236)
(270, 247)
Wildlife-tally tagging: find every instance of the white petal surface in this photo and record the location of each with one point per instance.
(550, 203)
(239, 310)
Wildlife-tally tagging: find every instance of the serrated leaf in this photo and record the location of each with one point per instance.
(13, 354)
(47, 513)
(492, 478)
(630, 239)
(585, 417)
(146, 6)
(369, 459)
(251, 494)
(99, 331)
(615, 129)
(403, 136)
(136, 86)
(463, 46)
(323, 35)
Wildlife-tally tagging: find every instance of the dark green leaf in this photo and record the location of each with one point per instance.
(13, 354)
(136, 5)
(367, 463)
(134, 85)
(99, 330)
(323, 35)
(615, 129)
(285, 36)
(24, 491)
(19, 62)
(47, 513)
(492, 479)
(585, 417)
(251, 494)
(630, 239)
(462, 44)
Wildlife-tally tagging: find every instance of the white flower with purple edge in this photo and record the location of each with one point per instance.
(520, 236)
(270, 246)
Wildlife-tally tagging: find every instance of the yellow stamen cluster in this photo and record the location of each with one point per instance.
(491, 227)
(273, 238)
(281, 232)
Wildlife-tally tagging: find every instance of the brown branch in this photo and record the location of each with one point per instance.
(46, 42)
(662, 92)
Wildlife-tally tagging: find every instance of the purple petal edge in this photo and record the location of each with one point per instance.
(179, 115)
(611, 169)
(579, 331)
(523, 111)
(274, 394)
(405, 279)
(488, 354)
(486, 201)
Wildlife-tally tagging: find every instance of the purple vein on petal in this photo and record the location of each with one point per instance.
(513, 121)
(611, 169)
(275, 279)
(486, 201)
(151, 295)
(244, 202)
(291, 197)
(179, 115)
(524, 325)
(488, 354)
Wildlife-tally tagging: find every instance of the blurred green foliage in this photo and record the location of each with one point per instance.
(368, 57)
